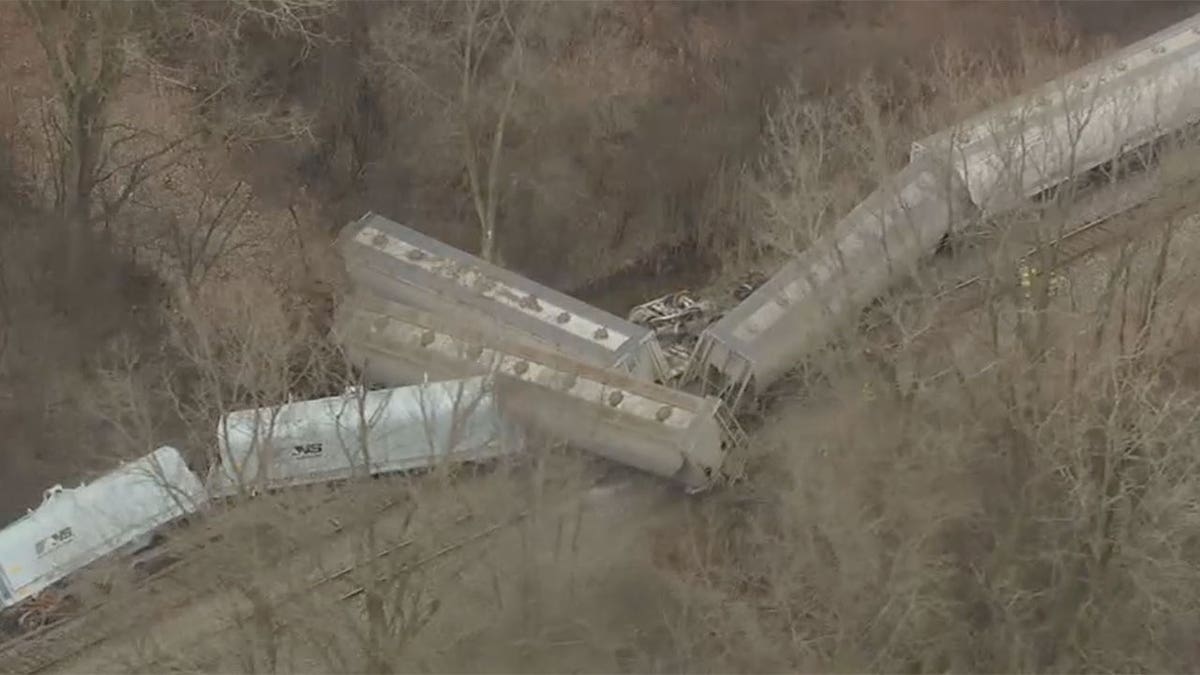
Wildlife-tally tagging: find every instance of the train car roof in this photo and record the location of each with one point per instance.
(921, 193)
(112, 480)
(1128, 64)
(392, 400)
(506, 297)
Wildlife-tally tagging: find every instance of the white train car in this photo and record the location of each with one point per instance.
(799, 309)
(356, 434)
(1072, 124)
(402, 265)
(609, 412)
(74, 527)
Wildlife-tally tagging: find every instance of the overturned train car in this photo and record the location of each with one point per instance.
(402, 265)
(990, 164)
(603, 410)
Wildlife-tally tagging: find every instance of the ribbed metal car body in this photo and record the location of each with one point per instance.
(74, 527)
(1076, 122)
(400, 264)
(991, 163)
(802, 306)
(357, 434)
(603, 410)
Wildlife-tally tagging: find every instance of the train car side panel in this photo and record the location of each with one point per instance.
(801, 307)
(1037, 140)
(359, 433)
(402, 265)
(77, 526)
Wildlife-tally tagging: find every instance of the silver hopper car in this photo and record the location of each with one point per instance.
(637, 423)
(358, 433)
(1034, 141)
(402, 265)
(802, 306)
(75, 527)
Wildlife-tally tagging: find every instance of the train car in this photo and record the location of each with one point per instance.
(358, 433)
(402, 265)
(74, 527)
(799, 309)
(991, 163)
(607, 411)
(1077, 122)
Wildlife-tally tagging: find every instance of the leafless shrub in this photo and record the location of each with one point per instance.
(197, 243)
(998, 519)
(240, 105)
(996, 511)
(471, 70)
(819, 160)
(88, 162)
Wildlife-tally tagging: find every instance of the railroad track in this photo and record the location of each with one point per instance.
(1119, 213)
(1112, 218)
(341, 586)
(1139, 213)
(41, 649)
(22, 652)
(1132, 214)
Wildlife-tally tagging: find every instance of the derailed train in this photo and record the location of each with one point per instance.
(590, 356)
(797, 310)
(420, 310)
(356, 434)
(550, 363)
(990, 164)
(608, 411)
(394, 262)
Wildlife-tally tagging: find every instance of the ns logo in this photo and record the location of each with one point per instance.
(307, 450)
(52, 542)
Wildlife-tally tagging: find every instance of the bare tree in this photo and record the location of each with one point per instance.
(474, 70)
(95, 162)
(483, 166)
(200, 241)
